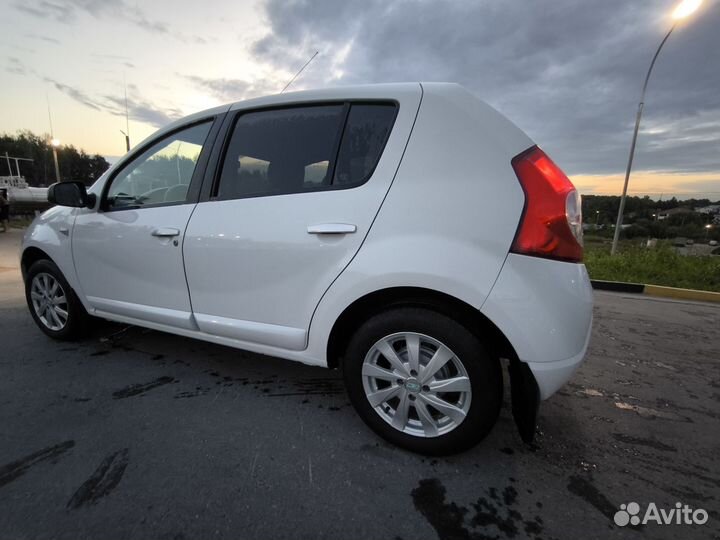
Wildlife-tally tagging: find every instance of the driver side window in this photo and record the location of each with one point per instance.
(161, 175)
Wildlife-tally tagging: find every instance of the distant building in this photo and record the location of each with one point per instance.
(664, 214)
(712, 209)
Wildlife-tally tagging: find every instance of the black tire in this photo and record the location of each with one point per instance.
(78, 321)
(483, 370)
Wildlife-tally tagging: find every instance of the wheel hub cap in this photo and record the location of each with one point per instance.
(412, 386)
(416, 384)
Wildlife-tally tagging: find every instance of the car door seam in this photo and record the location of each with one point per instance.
(203, 174)
(372, 222)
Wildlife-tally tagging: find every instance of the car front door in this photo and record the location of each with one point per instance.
(128, 252)
(293, 198)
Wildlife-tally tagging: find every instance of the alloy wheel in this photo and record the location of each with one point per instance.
(416, 384)
(49, 301)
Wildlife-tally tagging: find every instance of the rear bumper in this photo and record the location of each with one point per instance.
(544, 309)
(550, 376)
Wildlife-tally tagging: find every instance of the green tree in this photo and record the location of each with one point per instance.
(74, 164)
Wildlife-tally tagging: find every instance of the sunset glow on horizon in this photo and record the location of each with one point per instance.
(571, 83)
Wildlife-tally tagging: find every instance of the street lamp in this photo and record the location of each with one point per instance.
(707, 230)
(55, 143)
(127, 140)
(684, 9)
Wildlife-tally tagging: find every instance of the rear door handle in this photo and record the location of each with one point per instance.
(166, 231)
(332, 228)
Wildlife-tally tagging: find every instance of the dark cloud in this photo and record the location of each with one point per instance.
(47, 39)
(47, 10)
(229, 90)
(114, 59)
(15, 66)
(141, 110)
(569, 73)
(76, 94)
(138, 108)
(68, 11)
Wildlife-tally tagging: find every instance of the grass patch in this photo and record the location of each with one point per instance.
(657, 266)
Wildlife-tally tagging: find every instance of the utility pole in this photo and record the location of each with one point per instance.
(127, 140)
(53, 142)
(127, 120)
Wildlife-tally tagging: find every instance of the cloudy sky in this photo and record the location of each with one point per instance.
(569, 72)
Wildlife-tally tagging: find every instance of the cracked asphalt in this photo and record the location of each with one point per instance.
(138, 434)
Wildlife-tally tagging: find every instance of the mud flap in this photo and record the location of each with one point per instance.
(525, 398)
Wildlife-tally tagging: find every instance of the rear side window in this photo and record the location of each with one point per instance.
(275, 152)
(300, 149)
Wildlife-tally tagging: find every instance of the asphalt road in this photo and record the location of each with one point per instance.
(138, 434)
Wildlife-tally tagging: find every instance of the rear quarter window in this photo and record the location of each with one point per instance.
(366, 132)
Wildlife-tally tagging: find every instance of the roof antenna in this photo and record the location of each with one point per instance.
(299, 72)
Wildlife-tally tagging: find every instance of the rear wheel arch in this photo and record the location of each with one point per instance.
(524, 390)
(385, 299)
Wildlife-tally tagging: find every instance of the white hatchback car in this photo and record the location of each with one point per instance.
(407, 233)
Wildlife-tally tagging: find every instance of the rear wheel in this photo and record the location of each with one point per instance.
(422, 381)
(53, 304)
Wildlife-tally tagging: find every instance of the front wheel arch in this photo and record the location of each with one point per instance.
(77, 320)
(30, 256)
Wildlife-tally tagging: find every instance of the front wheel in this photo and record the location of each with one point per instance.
(423, 381)
(53, 304)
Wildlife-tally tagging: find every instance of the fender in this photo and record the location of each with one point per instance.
(51, 233)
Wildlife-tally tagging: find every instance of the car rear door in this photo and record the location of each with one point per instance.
(291, 200)
(128, 252)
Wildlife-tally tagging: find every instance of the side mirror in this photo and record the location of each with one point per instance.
(71, 194)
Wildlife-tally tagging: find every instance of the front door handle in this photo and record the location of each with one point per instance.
(332, 228)
(166, 231)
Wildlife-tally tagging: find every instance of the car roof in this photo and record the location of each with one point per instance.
(363, 91)
(387, 90)
(366, 91)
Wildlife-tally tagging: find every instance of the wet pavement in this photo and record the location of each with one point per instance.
(138, 434)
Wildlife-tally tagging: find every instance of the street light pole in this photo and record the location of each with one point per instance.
(684, 9)
(127, 120)
(55, 143)
(127, 140)
(618, 224)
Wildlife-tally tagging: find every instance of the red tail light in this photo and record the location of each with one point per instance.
(551, 224)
